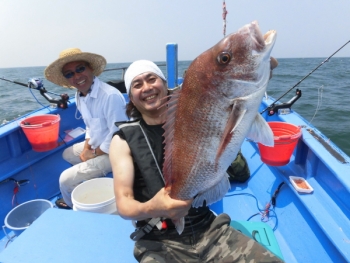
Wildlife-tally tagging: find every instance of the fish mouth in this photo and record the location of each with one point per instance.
(270, 37)
(261, 42)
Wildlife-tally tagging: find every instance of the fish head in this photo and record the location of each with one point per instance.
(239, 59)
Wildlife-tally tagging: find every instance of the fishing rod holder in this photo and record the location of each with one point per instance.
(36, 83)
(61, 103)
(273, 108)
(18, 183)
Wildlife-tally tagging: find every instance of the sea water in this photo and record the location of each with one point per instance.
(325, 97)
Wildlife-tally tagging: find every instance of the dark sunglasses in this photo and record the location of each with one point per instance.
(80, 69)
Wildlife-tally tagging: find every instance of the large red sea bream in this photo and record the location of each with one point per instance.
(212, 114)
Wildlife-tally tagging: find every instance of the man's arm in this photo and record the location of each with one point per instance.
(86, 154)
(114, 111)
(161, 205)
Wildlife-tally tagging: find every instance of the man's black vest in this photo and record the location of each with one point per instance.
(147, 170)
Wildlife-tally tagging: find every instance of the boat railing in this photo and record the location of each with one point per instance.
(123, 69)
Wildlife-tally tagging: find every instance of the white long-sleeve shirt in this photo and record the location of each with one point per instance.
(105, 105)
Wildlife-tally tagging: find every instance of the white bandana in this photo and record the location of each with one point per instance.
(139, 67)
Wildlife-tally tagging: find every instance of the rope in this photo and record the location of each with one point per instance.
(48, 107)
(224, 13)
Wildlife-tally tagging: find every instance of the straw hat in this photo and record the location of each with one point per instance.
(53, 72)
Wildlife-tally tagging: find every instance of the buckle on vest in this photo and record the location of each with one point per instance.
(140, 232)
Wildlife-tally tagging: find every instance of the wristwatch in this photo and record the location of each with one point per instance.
(94, 152)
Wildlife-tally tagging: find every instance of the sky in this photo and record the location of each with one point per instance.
(33, 32)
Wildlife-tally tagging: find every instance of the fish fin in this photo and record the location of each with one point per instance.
(213, 194)
(179, 225)
(261, 132)
(169, 127)
(237, 113)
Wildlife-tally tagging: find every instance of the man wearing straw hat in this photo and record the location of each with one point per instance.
(100, 106)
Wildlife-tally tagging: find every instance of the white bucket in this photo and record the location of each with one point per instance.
(96, 196)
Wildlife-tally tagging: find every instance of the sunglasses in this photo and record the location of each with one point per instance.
(80, 69)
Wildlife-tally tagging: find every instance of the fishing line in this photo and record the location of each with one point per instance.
(326, 60)
(319, 101)
(264, 212)
(48, 107)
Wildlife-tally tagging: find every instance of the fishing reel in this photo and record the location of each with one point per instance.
(37, 83)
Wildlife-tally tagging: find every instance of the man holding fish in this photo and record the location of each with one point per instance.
(165, 176)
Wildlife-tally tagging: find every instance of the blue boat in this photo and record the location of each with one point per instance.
(299, 210)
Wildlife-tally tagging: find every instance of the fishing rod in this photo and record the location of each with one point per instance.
(37, 83)
(124, 68)
(273, 108)
(12, 81)
(33, 83)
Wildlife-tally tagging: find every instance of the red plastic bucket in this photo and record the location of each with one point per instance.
(42, 131)
(286, 137)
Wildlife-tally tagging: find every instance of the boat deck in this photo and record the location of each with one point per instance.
(304, 226)
(72, 236)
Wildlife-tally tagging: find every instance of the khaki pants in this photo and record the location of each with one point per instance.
(218, 243)
(81, 171)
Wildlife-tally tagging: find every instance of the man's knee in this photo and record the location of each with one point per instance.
(71, 156)
(66, 178)
(67, 154)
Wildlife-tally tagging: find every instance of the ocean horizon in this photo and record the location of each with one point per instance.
(325, 97)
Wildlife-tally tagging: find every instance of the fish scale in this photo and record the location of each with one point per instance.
(214, 111)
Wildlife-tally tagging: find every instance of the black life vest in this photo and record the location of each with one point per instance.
(147, 168)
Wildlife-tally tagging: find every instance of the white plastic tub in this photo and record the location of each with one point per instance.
(96, 196)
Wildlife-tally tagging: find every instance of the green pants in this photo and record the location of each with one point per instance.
(218, 243)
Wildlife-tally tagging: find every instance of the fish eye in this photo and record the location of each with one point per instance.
(224, 58)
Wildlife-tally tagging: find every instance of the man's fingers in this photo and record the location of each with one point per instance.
(273, 63)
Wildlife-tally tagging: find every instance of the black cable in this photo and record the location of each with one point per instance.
(273, 198)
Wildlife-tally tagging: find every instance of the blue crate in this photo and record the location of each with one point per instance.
(260, 232)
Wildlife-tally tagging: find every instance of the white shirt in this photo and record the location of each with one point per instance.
(101, 108)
